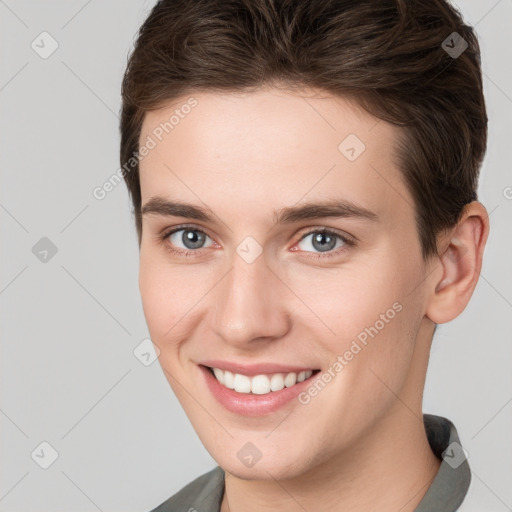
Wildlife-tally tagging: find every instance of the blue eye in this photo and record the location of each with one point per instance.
(190, 238)
(324, 241)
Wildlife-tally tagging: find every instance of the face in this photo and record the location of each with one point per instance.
(240, 271)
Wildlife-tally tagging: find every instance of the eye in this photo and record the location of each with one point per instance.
(188, 241)
(324, 241)
(189, 238)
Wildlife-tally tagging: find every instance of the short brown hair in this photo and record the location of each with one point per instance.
(386, 54)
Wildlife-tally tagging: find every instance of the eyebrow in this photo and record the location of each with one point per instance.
(287, 215)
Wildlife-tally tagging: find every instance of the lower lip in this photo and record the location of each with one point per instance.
(251, 404)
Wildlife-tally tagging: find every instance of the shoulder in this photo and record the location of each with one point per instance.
(204, 494)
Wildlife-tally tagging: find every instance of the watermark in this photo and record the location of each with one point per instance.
(249, 249)
(352, 147)
(44, 250)
(454, 455)
(152, 140)
(146, 352)
(249, 454)
(454, 45)
(44, 455)
(507, 193)
(44, 45)
(356, 346)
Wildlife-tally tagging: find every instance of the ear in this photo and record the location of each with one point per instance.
(459, 265)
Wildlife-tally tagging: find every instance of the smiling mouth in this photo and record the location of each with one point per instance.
(260, 384)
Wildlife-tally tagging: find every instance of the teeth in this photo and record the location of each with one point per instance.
(277, 382)
(260, 384)
(242, 383)
(219, 374)
(290, 379)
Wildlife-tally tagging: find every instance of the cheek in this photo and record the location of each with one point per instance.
(172, 297)
(375, 350)
(164, 295)
(347, 300)
(367, 313)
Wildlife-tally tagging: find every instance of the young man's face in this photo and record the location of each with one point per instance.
(253, 290)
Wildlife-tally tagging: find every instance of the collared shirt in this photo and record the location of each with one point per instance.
(446, 492)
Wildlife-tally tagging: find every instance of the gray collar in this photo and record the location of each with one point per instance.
(450, 485)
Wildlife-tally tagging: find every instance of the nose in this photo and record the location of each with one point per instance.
(251, 304)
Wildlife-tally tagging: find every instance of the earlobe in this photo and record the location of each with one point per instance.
(460, 262)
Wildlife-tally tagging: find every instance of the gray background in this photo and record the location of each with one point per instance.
(69, 325)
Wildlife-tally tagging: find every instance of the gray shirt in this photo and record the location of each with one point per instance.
(446, 492)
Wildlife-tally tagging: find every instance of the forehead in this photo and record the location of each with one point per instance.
(265, 115)
(269, 146)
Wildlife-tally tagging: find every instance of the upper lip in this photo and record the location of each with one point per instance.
(256, 368)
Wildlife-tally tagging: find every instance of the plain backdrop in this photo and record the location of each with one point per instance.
(71, 315)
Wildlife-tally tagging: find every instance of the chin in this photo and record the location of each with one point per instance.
(264, 470)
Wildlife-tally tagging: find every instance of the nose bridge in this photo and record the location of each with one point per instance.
(250, 304)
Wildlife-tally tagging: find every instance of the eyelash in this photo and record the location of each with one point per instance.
(191, 253)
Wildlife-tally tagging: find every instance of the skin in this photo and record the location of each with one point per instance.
(244, 155)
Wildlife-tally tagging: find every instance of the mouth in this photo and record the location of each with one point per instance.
(257, 389)
(263, 384)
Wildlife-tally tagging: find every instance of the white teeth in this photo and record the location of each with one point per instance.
(228, 378)
(290, 380)
(242, 383)
(219, 374)
(260, 384)
(277, 382)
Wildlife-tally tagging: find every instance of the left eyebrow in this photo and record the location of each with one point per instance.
(334, 208)
(287, 215)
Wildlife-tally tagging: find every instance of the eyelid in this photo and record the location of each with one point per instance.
(177, 227)
(326, 229)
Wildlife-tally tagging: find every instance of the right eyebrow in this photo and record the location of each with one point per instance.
(165, 208)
